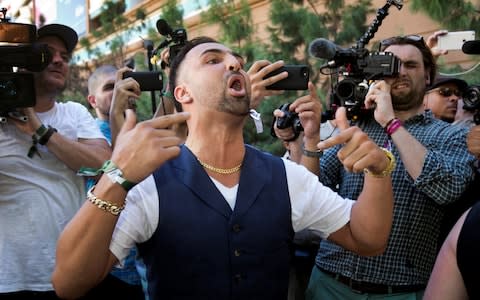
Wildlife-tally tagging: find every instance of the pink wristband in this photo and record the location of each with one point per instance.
(393, 126)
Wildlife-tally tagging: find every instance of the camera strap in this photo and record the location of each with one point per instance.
(257, 119)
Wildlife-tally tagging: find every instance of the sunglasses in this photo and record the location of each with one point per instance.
(399, 40)
(446, 92)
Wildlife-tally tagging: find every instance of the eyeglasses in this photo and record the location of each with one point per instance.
(400, 40)
(446, 92)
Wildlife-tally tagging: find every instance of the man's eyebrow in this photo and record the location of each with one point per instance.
(238, 55)
(214, 50)
(211, 51)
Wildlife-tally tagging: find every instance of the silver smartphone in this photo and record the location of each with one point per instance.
(454, 40)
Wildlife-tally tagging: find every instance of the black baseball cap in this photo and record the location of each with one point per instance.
(65, 33)
(441, 80)
(471, 47)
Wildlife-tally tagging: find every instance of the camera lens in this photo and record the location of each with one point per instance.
(471, 98)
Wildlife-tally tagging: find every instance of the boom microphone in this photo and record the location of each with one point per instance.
(325, 49)
(163, 28)
(471, 47)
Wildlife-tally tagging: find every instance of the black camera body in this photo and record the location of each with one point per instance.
(175, 39)
(148, 81)
(19, 50)
(179, 37)
(358, 73)
(471, 101)
(289, 119)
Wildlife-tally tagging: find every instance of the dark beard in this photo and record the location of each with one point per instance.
(406, 102)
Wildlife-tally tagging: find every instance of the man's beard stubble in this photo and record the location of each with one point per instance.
(235, 106)
(239, 106)
(408, 101)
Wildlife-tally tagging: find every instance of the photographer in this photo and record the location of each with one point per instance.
(434, 170)
(442, 97)
(454, 275)
(39, 189)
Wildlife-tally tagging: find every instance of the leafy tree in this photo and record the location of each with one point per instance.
(454, 15)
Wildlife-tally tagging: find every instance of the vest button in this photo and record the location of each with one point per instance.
(236, 228)
(237, 252)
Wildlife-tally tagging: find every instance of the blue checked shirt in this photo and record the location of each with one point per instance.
(412, 245)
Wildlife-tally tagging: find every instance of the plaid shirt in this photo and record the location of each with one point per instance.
(412, 245)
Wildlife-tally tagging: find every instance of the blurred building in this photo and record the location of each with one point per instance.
(83, 16)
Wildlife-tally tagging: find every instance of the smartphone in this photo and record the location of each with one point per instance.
(298, 76)
(454, 40)
(149, 81)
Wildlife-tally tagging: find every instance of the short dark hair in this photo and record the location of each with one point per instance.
(418, 42)
(178, 59)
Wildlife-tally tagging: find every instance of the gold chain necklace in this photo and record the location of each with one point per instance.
(220, 170)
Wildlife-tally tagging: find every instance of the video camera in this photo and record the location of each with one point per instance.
(175, 39)
(19, 56)
(153, 80)
(471, 101)
(356, 66)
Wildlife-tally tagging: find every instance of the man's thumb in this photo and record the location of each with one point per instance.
(341, 118)
(130, 121)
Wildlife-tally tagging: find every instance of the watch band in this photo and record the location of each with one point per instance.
(116, 175)
(309, 153)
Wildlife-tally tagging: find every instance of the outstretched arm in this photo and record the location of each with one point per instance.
(371, 216)
(83, 255)
(446, 281)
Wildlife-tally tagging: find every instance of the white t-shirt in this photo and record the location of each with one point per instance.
(38, 196)
(314, 206)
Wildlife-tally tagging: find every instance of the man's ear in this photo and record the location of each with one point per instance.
(92, 101)
(181, 94)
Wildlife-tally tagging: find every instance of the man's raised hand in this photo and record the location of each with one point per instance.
(359, 152)
(143, 147)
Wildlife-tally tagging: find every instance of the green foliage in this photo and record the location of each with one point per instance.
(452, 14)
(236, 27)
(173, 14)
(294, 24)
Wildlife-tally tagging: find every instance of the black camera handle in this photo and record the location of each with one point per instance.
(381, 14)
(148, 44)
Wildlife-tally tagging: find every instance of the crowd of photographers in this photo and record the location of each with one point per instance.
(427, 123)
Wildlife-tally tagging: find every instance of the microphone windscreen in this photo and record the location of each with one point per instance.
(322, 48)
(471, 47)
(163, 28)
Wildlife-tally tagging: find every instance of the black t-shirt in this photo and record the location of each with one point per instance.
(468, 248)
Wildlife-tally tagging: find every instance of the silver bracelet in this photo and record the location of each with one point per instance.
(308, 153)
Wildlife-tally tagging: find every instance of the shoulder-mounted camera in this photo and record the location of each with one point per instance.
(20, 55)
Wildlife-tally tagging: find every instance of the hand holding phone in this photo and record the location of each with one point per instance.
(148, 81)
(454, 40)
(298, 76)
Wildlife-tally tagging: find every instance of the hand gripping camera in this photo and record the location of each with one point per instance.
(289, 119)
(353, 69)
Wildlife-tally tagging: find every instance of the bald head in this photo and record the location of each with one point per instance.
(95, 79)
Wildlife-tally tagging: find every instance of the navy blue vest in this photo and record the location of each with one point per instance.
(202, 249)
